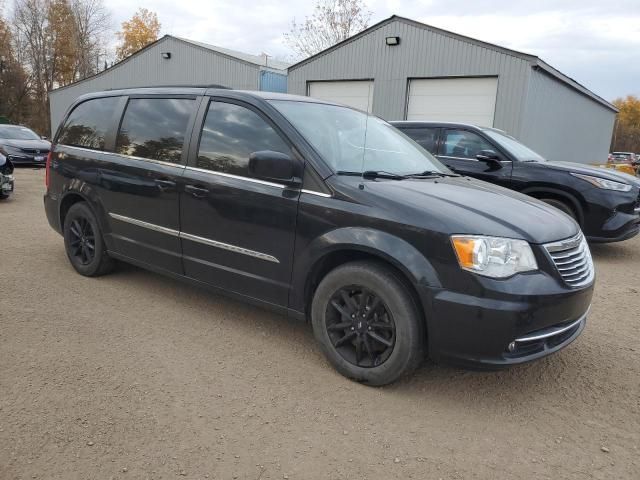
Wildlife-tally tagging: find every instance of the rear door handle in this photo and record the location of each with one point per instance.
(198, 192)
(165, 185)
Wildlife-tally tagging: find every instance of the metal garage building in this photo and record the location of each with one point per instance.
(177, 61)
(402, 69)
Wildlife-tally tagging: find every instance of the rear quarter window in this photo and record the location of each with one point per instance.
(89, 123)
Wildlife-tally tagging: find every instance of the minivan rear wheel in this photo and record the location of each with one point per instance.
(367, 323)
(84, 243)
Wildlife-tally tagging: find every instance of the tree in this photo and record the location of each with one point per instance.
(63, 45)
(332, 21)
(626, 137)
(92, 25)
(137, 33)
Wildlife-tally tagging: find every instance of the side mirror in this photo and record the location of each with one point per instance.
(491, 158)
(274, 166)
(44, 137)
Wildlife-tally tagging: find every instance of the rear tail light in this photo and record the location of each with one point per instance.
(47, 169)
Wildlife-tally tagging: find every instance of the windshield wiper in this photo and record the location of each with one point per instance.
(382, 174)
(432, 173)
(373, 174)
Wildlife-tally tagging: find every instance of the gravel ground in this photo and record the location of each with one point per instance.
(134, 375)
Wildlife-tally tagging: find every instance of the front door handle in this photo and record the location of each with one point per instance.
(198, 192)
(165, 185)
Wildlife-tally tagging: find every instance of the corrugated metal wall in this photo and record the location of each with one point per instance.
(188, 65)
(564, 125)
(271, 81)
(422, 53)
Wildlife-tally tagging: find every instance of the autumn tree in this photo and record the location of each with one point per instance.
(63, 46)
(137, 33)
(626, 136)
(332, 21)
(14, 82)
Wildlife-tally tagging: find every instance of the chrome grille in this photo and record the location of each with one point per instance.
(573, 261)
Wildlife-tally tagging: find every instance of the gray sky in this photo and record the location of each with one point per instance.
(596, 42)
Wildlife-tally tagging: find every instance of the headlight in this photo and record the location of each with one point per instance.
(604, 183)
(493, 256)
(9, 150)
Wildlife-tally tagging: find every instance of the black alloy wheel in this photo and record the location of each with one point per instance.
(360, 326)
(82, 241)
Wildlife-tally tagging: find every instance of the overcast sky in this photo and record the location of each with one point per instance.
(597, 42)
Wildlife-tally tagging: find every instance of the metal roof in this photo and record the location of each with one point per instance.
(535, 61)
(259, 60)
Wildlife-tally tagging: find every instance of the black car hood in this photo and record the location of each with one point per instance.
(462, 205)
(607, 173)
(36, 143)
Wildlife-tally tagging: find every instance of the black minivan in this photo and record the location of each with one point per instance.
(321, 212)
(605, 203)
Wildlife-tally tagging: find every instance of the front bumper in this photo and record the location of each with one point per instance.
(28, 159)
(7, 184)
(527, 320)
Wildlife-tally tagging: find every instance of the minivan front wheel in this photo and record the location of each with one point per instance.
(83, 242)
(367, 324)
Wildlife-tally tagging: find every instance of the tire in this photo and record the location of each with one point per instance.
(393, 317)
(560, 205)
(4, 196)
(83, 242)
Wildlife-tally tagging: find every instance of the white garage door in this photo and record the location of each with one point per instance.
(356, 93)
(465, 100)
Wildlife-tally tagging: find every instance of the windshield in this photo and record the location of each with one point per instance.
(352, 141)
(18, 133)
(514, 147)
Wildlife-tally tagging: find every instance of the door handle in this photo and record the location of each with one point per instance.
(165, 185)
(198, 192)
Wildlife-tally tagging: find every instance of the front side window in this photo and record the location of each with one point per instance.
(350, 141)
(89, 123)
(463, 144)
(425, 137)
(155, 128)
(231, 133)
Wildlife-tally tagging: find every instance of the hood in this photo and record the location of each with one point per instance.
(606, 173)
(461, 205)
(31, 144)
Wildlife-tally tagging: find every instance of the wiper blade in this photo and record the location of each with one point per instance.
(432, 173)
(382, 174)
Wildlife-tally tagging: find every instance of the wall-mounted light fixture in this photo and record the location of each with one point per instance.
(392, 41)
(166, 55)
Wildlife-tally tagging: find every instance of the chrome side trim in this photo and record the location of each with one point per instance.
(150, 226)
(195, 238)
(313, 192)
(102, 152)
(552, 332)
(231, 248)
(236, 177)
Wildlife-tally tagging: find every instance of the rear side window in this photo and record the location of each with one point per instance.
(425, 137)
(155, 128)
(89, 123)
(230, 134)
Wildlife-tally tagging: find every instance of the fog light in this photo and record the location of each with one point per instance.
(512, 346)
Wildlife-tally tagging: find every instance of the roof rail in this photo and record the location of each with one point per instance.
(214, 85)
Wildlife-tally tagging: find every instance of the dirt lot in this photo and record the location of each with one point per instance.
(137, 376)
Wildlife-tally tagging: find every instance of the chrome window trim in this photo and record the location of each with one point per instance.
(313, 192)
(554, 331)
(195, 238)
(237, 177)
(132, 157)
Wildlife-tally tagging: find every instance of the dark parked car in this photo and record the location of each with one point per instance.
(6, 177)
(22, 145)
(280, 201)
(604, 202)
